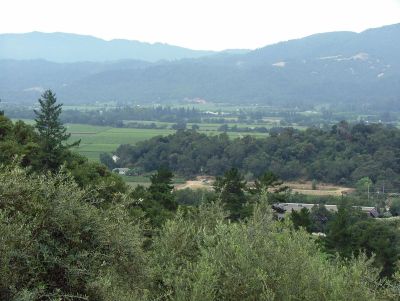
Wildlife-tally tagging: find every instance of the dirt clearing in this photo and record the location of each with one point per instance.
(322, 189)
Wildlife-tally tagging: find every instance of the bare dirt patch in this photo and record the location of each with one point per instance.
(322, 189)
(201, 182)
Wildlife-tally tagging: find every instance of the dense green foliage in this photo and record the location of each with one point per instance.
(350, 232)
(231, 190)
(18, 139)
(59, 244)
(116, 116)
(205, 258)
(301, 219)
(193, 197)
(52, 134)
(78, 233)
(343, 154)
(20, 142)
(395, 207)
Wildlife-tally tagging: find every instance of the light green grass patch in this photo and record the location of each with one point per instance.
(134, 181)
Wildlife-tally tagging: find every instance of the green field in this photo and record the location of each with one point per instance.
(99, 139)
(145, 180)
(105, 139)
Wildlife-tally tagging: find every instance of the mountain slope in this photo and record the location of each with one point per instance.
(64, 47)
(332, 68)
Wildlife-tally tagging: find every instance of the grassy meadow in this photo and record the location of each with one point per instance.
(144, 180)
(99, 139)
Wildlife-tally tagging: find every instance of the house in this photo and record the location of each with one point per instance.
(282, 208)
(120, 171)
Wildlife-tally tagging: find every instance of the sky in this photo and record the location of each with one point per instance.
(201, 24)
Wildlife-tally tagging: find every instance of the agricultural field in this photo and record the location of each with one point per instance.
(144, 180)
(99, 139)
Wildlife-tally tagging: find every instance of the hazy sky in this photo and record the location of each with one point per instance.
(201, 24)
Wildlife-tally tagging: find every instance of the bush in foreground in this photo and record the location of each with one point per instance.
(55, 244)
(200, 255)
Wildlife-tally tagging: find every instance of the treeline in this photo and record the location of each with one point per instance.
(117, 116)
(343, 154)
(235, 128)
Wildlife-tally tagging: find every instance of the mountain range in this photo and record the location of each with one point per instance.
(68, 48)
(354, 69)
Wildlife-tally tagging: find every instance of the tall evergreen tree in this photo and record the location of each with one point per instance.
(339, 235)
(158, 201)
(270, 184)
(161, 188)
(231, 190)
(53, 135)
(301, 219)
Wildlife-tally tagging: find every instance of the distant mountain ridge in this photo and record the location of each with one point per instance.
(354, 69)
(68, 48)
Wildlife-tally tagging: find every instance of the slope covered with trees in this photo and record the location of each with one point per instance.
(341, 67)
(342, 154)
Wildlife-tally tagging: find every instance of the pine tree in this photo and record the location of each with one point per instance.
(301, 219)
(53, 135)
(161, 188)
(231, 190)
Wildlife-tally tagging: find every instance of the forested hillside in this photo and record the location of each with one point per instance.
(343, 154)
(360, 70)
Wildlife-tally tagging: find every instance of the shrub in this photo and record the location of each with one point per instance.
(56, 245)
(200, 255)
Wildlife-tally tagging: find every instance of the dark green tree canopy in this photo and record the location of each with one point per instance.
(52, 133)
(301, 219)
(48, 123)
(342, 155)
(231, 190)
(161, 188)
